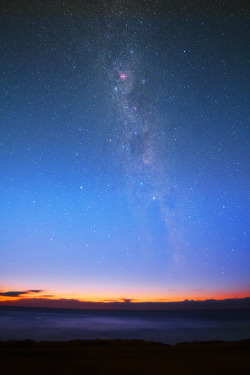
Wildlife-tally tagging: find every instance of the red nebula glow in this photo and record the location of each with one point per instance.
(123, 76)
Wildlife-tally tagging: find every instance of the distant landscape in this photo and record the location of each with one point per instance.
(167, 326)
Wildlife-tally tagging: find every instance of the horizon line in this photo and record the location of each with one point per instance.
(127, 304)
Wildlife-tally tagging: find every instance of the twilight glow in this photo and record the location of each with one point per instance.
(124, 158)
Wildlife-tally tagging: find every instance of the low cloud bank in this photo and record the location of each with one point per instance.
(127, 304)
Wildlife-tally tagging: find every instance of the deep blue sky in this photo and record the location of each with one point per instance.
(125, 154)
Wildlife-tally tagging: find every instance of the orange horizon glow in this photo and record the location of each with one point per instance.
(132, 297)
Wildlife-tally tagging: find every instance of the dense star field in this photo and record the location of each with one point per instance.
(124, 155)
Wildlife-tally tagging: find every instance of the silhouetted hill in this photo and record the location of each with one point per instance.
(123, 357)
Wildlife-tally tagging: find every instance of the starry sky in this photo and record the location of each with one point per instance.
(124, 154)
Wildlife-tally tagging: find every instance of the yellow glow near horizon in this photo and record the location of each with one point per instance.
(114, 296)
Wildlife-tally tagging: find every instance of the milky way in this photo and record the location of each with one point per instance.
(139, 136)
(125, 152)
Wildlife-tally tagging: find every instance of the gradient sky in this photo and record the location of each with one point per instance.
(124, 154)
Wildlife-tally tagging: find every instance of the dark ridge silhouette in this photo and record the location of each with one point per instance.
(128, 304)
(124, 357)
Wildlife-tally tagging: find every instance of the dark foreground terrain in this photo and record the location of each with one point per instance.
(124, 357)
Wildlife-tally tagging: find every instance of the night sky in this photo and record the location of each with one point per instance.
(124, 153)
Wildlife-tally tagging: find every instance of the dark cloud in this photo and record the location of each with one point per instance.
(35, 290)
(13, 294)
(19, 293)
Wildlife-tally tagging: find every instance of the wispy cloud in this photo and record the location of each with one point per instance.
(172, 290)
(35, 290)
(196, 290)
